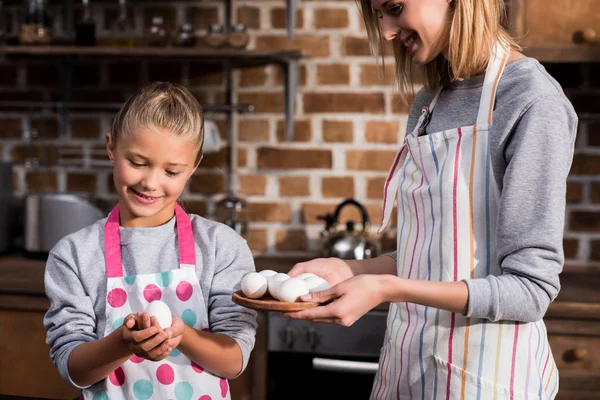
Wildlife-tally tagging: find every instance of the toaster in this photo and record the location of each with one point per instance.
(48, 217)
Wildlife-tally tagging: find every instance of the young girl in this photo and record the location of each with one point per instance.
(100, 280)
(480, 186)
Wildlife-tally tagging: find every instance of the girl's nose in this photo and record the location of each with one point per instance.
(150, 180)
(389, 30)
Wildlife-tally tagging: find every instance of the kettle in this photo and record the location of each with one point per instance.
(349, 244)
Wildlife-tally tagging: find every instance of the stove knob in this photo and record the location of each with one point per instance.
(289, 336)
(312, 337)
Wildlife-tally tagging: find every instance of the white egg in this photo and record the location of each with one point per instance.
(291, 289)
(305, 275)
(275, 281)
(254, 285)
(162, 312)
(267, 273)
(316, 284)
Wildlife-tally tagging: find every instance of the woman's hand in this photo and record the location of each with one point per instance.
(350, 300)
(143, 336)
(333, 270)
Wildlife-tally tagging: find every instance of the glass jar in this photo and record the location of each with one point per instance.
(237, 37)
(157, 35)
(232, 211)
(216, 36)
(186, 36)
(37, 27)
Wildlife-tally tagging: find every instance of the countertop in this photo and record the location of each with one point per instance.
(22, 285)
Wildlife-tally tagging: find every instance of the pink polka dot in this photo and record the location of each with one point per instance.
(205, 397)
(136, 359)
(165, 374)
(205, 330)
(184, 291)
(117, 377)
(117, 297)
(152, 292)
(197, 368)
(224, 387)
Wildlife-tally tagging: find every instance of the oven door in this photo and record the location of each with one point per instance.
(313, 361)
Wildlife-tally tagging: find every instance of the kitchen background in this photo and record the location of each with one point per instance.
(348, 120)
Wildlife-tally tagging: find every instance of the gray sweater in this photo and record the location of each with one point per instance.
(75, 281)
(531, 146)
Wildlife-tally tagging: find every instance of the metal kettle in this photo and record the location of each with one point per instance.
(349, 244)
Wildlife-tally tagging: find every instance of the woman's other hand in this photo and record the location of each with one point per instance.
(333, 270)
(348, 300)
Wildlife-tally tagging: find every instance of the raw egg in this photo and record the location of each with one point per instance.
(316, 284)
(254, 285)
(267, 273)
(291, 289)
(275, 281)
(162, 312)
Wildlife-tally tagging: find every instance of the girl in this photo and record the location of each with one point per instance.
(99, 280)
(480, 211)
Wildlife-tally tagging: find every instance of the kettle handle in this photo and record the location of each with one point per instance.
(363, 212)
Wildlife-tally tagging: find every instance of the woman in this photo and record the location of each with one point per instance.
(480, 211)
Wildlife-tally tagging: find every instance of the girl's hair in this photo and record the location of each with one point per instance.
(475, 27)
(161, 105)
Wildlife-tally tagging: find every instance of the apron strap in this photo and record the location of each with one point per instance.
(112, 245)
(496, 65)
(185, 235)
(390, 190)
(112, 242)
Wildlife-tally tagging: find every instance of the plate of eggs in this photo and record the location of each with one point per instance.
(269, 290)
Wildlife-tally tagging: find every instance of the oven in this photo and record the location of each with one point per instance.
(313, 361)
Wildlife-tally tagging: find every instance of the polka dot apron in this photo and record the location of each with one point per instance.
(175, 377)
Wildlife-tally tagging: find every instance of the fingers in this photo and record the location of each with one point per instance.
(323, 296)
(298, 269)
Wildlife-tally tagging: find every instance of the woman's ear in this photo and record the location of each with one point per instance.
(109, 147)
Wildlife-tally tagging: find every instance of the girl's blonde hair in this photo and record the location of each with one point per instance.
(475, 27)
(161, 105)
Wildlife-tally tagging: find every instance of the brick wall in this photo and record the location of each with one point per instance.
(347, 124)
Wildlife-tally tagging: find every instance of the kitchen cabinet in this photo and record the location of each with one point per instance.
(557, 30)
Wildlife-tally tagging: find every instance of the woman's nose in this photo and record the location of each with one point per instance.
(389, 29)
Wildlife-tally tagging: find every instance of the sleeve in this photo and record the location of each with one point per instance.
(531, 216)
(70, 320)
(233, 260)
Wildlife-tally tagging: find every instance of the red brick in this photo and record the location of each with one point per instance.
(291, 240)
(594, 135)
(201, 74)
(269, 212)
(595, 192)
(595, 250)
(253, 76)
(124, 73)
(278, 79)
(585, 164)
(205, 183)
(369, 160)
(279, 18)
(333, 74)
(42, 75)
(253, 130)
(86, 75)
(382, 131)
(249, 16)
(574, 192)
(571, 248)
(377, 75)
(202, 17)
(253, 184)
(81, 182)
(375, 188)
(399, 106)
(46, 154)
(11, 128)
(338, 131)
(264, 102)
(584, 221)
(294, 186)
(326, 18)
(197, 207)
(288, 158)
(86, 128)
(257, 239)
(337, 187)
(371, 103)
(311, 46)
(164, 71)
(8, 75)
(41, 181)
(302, 131)
(218, 159)
(46, 128)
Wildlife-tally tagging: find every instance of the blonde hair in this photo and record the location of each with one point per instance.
(161, 105)
(475, 27)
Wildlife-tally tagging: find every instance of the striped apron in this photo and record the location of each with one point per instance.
(447, 202)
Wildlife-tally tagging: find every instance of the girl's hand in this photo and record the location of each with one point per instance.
(350, 300)
(176, 332)
(143, 336)
(333, 270)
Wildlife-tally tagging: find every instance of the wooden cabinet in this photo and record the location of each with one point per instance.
(557, 30)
